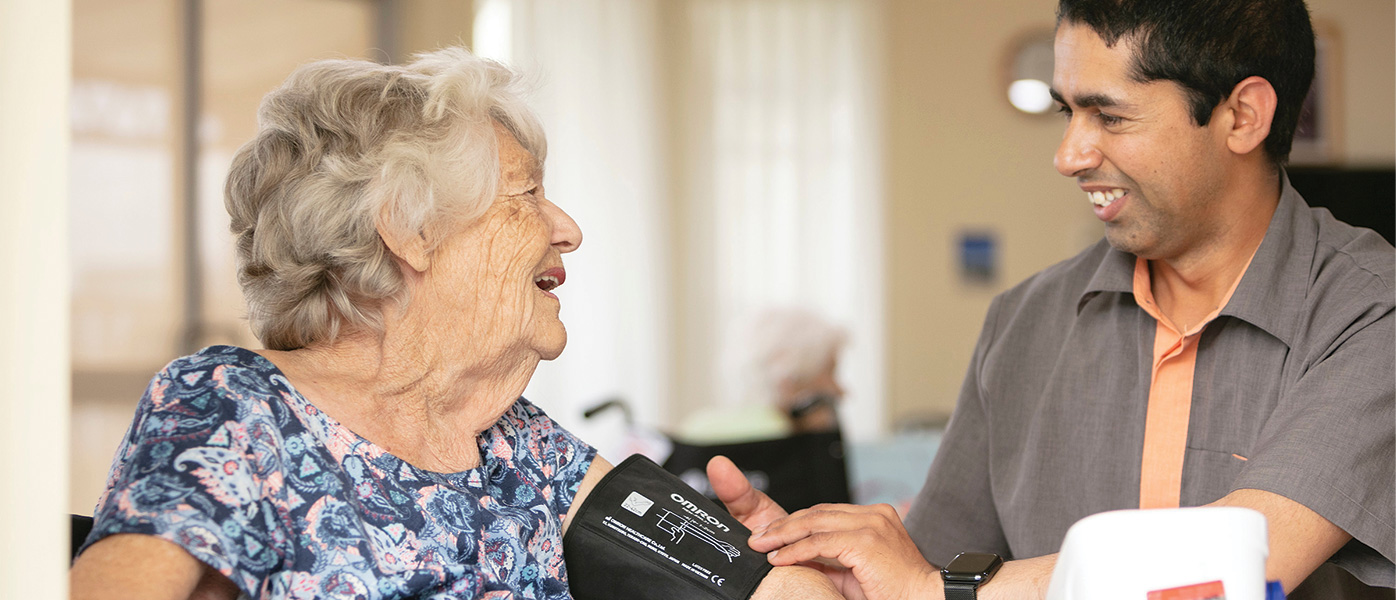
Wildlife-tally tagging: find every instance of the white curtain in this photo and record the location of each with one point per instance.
(772, 198)
(593, 62)
(784, 196)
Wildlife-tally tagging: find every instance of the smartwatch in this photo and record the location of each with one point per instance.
(967, 572)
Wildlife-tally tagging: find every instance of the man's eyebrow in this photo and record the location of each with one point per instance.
(1087, 101)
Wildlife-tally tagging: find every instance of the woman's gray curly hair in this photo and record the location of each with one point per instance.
(344, 147)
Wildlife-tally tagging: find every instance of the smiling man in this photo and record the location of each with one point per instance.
(1224, 344)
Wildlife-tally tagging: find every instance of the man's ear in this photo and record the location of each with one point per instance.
(1252, 109)
(409, 246)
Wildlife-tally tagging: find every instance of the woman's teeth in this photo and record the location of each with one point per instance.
(1106, 197)
(546, 282)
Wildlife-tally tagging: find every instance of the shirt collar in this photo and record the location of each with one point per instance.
(1271, 290)
(1115, 273)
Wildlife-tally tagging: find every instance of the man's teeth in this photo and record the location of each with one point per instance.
(1106, 197)
(546, 282)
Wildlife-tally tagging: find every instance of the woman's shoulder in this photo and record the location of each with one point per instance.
(201, 452)
(533, 440)
(213, 357)
(216, 375)
(526, 423)
(521, 425)
(523, 411)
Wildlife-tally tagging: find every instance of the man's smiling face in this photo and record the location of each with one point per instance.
(1151, 173)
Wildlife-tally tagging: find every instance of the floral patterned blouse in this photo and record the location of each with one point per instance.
(226, 459)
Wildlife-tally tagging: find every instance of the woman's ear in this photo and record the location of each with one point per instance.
(409, 246)
(1252, 107)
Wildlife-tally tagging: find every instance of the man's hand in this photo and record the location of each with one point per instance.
(865, 550)
(751, 507)
(876, 557)
(879, 562)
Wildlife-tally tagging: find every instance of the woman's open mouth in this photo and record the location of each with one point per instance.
(549, 280)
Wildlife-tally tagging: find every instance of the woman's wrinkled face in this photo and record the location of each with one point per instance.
(498, 272)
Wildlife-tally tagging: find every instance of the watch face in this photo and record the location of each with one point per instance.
(972, 566)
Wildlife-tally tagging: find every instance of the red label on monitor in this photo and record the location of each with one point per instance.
(1211, 590)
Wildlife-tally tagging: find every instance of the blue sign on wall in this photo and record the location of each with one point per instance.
(978, 256)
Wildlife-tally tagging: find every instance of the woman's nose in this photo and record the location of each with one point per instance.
(1077, 152)
(567, 236)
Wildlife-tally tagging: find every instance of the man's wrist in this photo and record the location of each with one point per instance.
(935, 585)
(967, 572)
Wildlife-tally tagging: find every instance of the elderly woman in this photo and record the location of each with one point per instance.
(785, 361)
(399, 257)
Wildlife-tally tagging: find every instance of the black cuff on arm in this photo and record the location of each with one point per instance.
(643, 533)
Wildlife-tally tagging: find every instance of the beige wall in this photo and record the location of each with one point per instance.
(1366, 85)
(958, 157)
(431, 24)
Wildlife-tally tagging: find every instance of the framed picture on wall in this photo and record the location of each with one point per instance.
(1318, 139)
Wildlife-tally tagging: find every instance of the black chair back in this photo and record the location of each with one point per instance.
(81, 526)
(797, 472)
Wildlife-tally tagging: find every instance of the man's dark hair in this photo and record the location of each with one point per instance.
(1208, 46)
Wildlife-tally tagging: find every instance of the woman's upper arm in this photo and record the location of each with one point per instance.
(144, 566)
(781, 582)
(598, 469)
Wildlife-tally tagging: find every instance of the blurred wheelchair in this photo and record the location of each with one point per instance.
(797, 471)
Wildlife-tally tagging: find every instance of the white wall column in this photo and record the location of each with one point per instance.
(35, 74)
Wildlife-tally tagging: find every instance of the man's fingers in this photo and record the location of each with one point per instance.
(804, 551)
(753, 508)
(873, 567)
(869, 541)
(829, 546)
(822, 519)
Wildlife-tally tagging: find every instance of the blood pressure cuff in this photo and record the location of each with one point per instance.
(643, 533)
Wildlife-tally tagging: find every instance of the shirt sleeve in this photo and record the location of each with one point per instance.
(194, 470)
(954, 511)
(1331, 445)
(557, 460)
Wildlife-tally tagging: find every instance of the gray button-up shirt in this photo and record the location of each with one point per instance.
(1295, 375)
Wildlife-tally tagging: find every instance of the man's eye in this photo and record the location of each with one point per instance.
(1063, 111)
(1109, 119)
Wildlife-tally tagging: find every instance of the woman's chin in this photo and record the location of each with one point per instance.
(551, 347)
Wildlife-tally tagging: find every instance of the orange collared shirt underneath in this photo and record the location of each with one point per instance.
(1170, 395)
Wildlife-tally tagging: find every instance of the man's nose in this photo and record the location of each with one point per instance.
(1078, 151)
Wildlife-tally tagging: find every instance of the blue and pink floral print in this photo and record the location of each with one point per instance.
(226, 459)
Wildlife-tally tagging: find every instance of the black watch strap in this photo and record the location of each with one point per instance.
(960, 591)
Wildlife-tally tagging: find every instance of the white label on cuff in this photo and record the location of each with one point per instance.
(637, 504)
